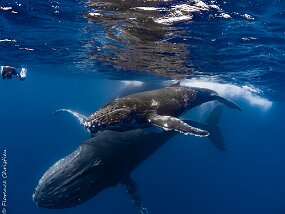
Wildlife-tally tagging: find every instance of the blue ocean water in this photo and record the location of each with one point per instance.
(80, 54)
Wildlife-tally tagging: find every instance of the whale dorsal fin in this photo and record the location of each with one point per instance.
(169, 123)
(176, 84)
(134, 193)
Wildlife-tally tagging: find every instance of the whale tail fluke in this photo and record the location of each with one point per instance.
(216, 136)
(227, 102)
(211, 125)
(215, 115)
(80, 117)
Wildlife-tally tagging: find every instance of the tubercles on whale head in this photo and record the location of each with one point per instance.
(91, 126)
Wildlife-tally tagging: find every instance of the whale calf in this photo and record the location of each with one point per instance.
(106, 160)
(159, 107)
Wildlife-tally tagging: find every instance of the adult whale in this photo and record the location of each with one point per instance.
(106, 160)
(159, 107)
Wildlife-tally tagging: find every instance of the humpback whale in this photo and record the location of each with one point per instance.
(106, 160)
(159, 107)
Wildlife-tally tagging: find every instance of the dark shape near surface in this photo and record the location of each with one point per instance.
(104, 161)
(159, 107)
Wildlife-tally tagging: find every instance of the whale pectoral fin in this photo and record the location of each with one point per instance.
(134, 194)
(169, 123)
(227, 102)
(81, 118)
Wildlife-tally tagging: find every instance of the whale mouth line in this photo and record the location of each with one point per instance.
(46, 184)
(59, 205)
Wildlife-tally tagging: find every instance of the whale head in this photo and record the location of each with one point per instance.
(72, 180)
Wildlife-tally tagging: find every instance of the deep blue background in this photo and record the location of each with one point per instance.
(187, 175)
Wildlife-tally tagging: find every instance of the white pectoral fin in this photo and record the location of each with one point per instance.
(169, 123)
(81, 118)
